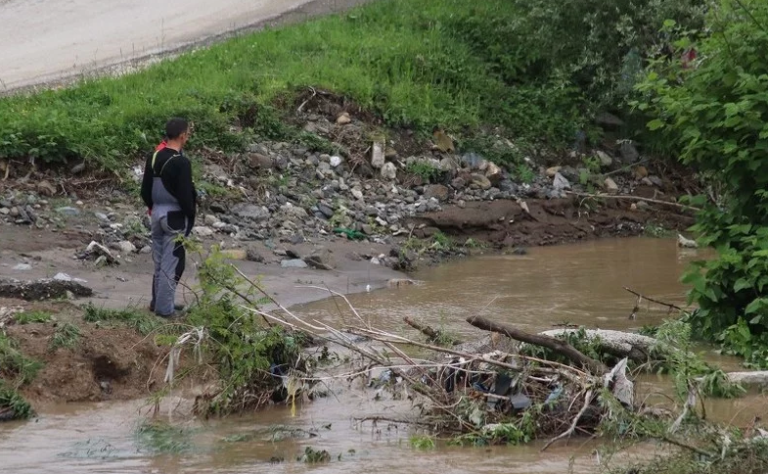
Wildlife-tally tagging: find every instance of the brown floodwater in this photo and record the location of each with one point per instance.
(580, 284)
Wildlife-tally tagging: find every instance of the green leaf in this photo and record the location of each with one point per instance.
(655, 124)
(742, 284)
(754, 306)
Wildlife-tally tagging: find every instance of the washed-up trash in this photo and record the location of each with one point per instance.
(64, 277)
(552, 398)
(520, 401)
(349, 233)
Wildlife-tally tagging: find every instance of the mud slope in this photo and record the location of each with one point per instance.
(45, 41)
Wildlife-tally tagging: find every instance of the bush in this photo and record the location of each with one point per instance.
(715, 112)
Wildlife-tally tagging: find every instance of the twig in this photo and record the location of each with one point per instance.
(680, 444)
(633, 198)
(314, 93)
(640, 295)
(569, 432)
(552, 343)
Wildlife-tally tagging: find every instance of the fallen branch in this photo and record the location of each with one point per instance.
(633, 198)
(557, 345)
(616, 343)
(431, 333)
(640, 295)
(570, 431)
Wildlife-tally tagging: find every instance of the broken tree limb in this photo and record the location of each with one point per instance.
(633, 198)
(640, 295)
(756, 378)
(616, 343)
(431, 333)
(42, 289)
(557, 345)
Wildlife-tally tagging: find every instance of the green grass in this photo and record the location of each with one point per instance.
(66, 335)
(163, 438)
(12, 405)
(29, 317)
(414, 63)
(141, 321)
(14, 364)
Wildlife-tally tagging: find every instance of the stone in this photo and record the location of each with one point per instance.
(378, 158)
(628, 152)
(641, 172)
(551, 172)
(253, 255)
(367, 229)
(336, 161)
(294, 263)
(78, 168)
(437, 191)
(357, 194)
(642, 205)
(343, 119)
(145, 250)
(390, 153)
(102, 217)
(473, 161)
(633, 207)
(389, 172)
(321, 259)
(459, 183)
(494, 173)
(210, 219)
(4, 211)
(610, 185)
(646, 181)
(23, 267)
(294, 211)
(258, 161)
(68, 211)
(45, 188)
(325, 210)
(560, 183)
(605, 158)
(202, 231)
(656, 181)
(125, 247)
(250, 211)
(481, 181)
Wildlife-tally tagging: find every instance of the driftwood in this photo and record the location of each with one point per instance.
(42, 289)
(557, 345)
(616, 343)
(431, 333)
(756, 378)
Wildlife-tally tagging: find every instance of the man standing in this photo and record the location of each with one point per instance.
(169, 194)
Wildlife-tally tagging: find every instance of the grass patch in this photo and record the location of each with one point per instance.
(163, 438)
(66, 335)
(30, 317)
(415, 64)
(12, 405)
(141, 321)
(14, 364)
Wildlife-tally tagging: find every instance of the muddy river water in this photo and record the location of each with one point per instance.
(580, 284)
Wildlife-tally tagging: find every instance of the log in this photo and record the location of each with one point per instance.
(42, 289)
(557, 345)
(616, 343)
(756, 378)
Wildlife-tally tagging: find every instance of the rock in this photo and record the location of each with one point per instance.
(642, 205)
(551, 172)
(22, 267)
(253, 255)
(377, 156)
(145, 250)
(656, 181)
(250, 211)
(65, 277)
(45, 188)
(357, 194)
(494, 173)
(68, 211)
(610, 185)
(459, 183)
(343, 119)
(210, 220)
(628, 152)
(78, 168)
(389, 172)
(202, 231)
(321, 259)
(218, 208)
(125, 247)
(605, 159)
(608, 120)
(437, 191)
(258, 161)
(646, 181)
(294, 263)
(481, 181)
(641, 172)
(560, 183)
(336, 161)
(633, 207)
(443, 142)
(570, 173)
(367, 229)
(235, 254)
(390, 153)
(686, 243)
(473, 161)
(294, 211)
(325, 210)
(4, 211)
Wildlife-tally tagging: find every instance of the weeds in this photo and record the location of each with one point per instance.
(66, 335)
(424, 170)
(12, 405)
(422, 442)
(14, 364)
(30, 317)
(163, 438)
(141, 321)
(314, 456)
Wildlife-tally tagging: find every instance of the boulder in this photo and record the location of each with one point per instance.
(560, 183)
(258, 161)
(250, 211)
(493, 173)
(389, 171)
(437, 191)
(481, 181)
(321, 259)
(605, 159)
(610, 185)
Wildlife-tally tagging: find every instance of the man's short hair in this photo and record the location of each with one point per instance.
(175, 127)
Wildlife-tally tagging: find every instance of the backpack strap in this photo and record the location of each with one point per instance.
(154, 158)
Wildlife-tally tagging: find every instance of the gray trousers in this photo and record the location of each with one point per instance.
(170, 258)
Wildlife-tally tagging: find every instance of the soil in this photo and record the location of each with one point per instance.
(106, 364)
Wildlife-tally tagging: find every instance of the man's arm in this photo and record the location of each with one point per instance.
(185, 193)
(146, 183)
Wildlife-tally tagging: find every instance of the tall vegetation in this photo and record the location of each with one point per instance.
(715, 111)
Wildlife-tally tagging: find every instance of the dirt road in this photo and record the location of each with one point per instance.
(51, 41)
